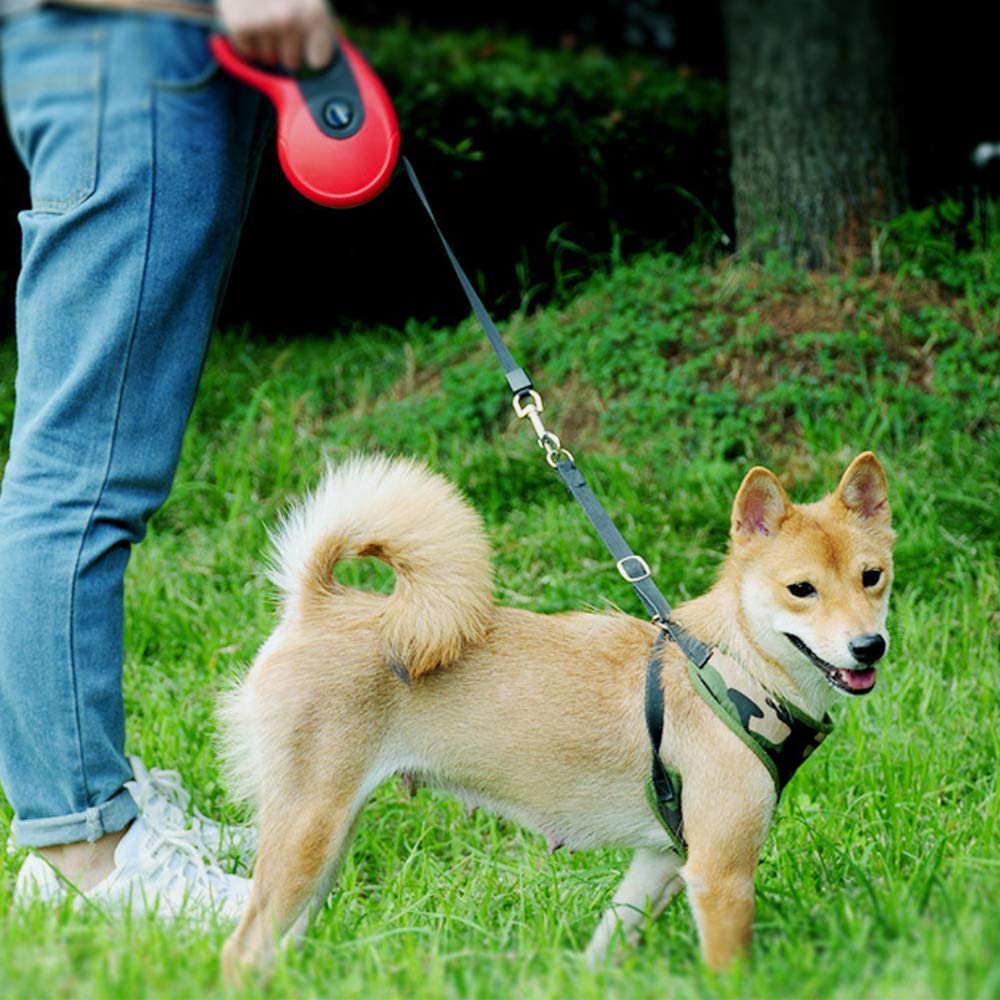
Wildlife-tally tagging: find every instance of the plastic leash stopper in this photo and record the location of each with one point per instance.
(338, 139)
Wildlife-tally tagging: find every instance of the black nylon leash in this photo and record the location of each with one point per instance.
(528, 404)
(517, 378)
(663, 786)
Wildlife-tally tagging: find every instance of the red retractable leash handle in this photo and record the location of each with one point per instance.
(338, 139)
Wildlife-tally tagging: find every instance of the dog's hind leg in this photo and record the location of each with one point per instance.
(321, 893)
(304, 837)
(652, 880)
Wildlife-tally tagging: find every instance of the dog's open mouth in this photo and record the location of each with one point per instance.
(855, 682)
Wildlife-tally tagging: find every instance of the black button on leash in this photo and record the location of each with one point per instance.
(338, 114)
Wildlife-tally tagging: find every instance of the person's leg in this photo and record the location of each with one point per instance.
(141, 158)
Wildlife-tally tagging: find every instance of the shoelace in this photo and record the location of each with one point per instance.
(177, 852)
(167, 786)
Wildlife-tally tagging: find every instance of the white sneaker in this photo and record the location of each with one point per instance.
(158, 869)
(238, 843)
(167, 862)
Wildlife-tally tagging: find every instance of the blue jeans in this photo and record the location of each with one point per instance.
(142, 156)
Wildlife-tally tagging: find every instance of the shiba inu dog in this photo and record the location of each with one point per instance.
(542, 717)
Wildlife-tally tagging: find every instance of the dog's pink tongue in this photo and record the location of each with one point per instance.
(859, 680)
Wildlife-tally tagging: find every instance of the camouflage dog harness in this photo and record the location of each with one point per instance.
(780, 735)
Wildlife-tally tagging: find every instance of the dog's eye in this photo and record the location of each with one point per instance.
(870, 577)
(803, 589)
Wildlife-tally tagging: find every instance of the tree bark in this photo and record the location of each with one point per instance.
(816, 152)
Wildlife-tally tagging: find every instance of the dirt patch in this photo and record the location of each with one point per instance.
(780, 324)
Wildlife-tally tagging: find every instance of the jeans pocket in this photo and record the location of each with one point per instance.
(180, 57)
(52, 96)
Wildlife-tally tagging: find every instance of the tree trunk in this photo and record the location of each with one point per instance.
(815, 144)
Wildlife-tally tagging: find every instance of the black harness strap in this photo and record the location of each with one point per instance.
(663, 788)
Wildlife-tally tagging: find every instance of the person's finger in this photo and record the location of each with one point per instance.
(320, 45)
(266, 47)
(290, 49)
(244, 42)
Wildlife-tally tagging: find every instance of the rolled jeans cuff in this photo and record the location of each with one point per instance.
(89, 825)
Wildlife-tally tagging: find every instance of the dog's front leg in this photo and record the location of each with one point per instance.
(723, 903)
(652, 880)
(725, 825)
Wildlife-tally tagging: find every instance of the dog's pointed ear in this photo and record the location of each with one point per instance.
(761, 505)
(864, 488)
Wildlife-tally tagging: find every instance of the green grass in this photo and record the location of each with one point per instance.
(668, 380)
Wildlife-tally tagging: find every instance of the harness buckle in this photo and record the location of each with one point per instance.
(644, 572)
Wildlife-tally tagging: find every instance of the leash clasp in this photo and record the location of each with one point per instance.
(528, 404)
(534, 403)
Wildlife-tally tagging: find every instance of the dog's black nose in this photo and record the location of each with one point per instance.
(867, 649)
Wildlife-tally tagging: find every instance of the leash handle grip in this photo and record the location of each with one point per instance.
(338, 138)
(276, 87)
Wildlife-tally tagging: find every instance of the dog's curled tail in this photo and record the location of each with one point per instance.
(415, 521)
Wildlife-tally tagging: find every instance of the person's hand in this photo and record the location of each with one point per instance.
(290, 32)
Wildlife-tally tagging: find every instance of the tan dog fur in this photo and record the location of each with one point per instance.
(538, 717)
